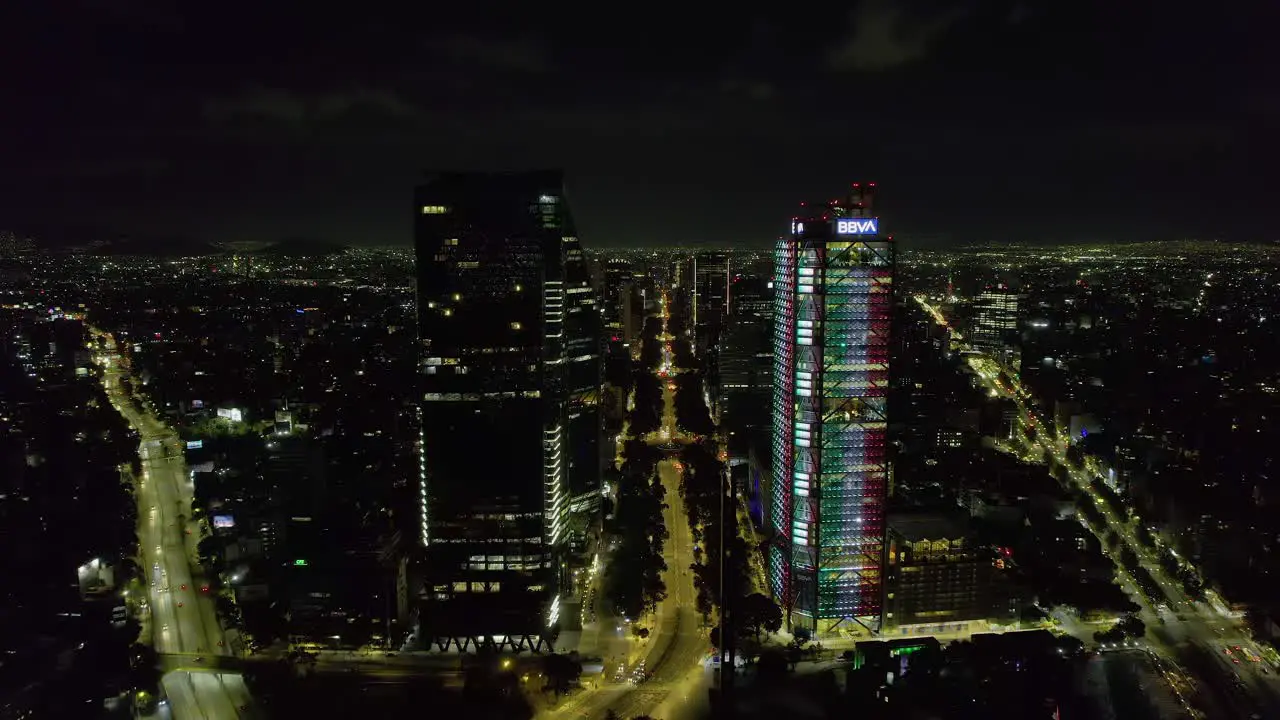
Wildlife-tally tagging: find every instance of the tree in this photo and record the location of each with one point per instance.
(678, 314)
(1143, 533)
(1129, 558)
(1132, 626)
(623, 584)
(1090, 511)
(1109, 636)
(1059, 473)
(1075, 455)
(646, 405)
(703, 601)
(758, 613)
(633, 578)
(692, 414)
(1192, 584)
(650, 346)
(209, 552)
(654, 589)
(226, 609)
(562, 672)
(638, 459)
(144, 669)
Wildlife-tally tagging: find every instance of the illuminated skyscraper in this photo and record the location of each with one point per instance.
(711, 282)
(995, 323)
(510, 369)
(833, 291)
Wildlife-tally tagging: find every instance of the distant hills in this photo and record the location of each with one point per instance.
(302, 247)
(101, 241)
(151, 245)
(289, 247)
(105, 241)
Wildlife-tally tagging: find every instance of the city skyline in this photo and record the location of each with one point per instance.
(999, 121)
(1050, 497)
(543, 363)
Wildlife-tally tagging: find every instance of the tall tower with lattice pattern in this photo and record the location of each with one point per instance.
(833, 294)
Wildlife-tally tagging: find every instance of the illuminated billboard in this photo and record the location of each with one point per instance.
(857, 226)
(195, 444)
(223, 522)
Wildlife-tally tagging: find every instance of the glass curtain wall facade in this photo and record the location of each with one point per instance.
(833, 296)
(995, 324)
(583, 376)
(500, 310)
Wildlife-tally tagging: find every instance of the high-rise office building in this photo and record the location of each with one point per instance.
(745, 365)
(995, 323)
(583, 372)
(711, 281)
(833, 295)
(510, 374)
(617, 276)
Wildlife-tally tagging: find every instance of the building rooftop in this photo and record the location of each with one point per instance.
(916, 526)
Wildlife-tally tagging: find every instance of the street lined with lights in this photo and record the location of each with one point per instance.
(183, 621)
(670, 669)
(1179, 624)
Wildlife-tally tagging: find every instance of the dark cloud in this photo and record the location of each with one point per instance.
(1167, 138)
(1019, 14)
(520, 55)
(298, 110)
(753, 89)
(599, 122)
(137, 14)
(284, 118)
(885, 34)
(105, 169)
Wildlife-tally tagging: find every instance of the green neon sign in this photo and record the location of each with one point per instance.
(299, 563)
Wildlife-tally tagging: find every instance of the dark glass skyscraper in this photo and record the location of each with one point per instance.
(583, 359)
(711, 281)
(510, 369)
(832, 299)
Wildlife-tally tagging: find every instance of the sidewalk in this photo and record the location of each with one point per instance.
(944, 633)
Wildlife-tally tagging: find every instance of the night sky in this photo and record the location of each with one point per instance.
(676, 123)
